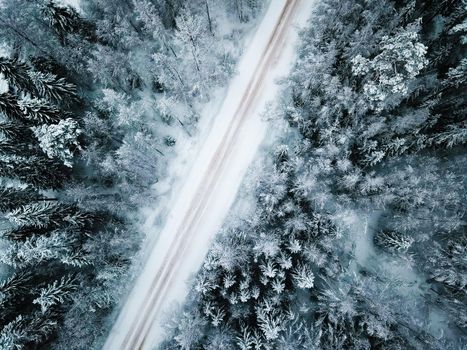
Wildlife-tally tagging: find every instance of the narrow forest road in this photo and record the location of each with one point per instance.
(214, 179)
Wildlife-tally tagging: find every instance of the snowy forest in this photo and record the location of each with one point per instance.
(93, 100)
(356, 236)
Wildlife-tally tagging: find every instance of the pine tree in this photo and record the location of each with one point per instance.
(393, 241)
(25, 79)
(26, 331)
(16, 132)
(38, 171)
(64, 20)
(50, 87)
(245, 340)
(47, 214)
(449, 265)
(11, 198)
(16, 283)
(191, 31)
(138, 158)
(9, 106)
(21, 233)
(148, 14)
(37, 111)
(13, 335)
(14, 286)
(60, 245)
(16, 73)
(17, 140)
(457, 75)
(35, 214)
(246, 9)
(56, 293)
(456, 134)
(31, 111)
(401, 59)
(9, 147)
(303, 277)
(59, 140)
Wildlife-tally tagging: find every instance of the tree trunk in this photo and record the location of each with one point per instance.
(209, 15)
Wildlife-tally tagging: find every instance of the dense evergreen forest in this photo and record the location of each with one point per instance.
(357, 237)
(92, 101)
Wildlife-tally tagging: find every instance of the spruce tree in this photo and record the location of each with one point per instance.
(15, 284)
(38, 215)
(16, 131)
(38, 111)
(56, 293)
(16, 73)
(393, 241)
(11, 198)
(51, 87)
(38, 171)
(9, 106)
(63, 19)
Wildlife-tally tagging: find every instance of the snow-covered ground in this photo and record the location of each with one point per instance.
(3, 84)
(212, 183)
(74, 3)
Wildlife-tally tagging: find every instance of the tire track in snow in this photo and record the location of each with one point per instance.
(218, 163)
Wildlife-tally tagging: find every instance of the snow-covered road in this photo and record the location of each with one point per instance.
(213, 181)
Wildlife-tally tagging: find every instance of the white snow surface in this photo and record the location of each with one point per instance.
(222, 194)
(3, 84)
(74, 3)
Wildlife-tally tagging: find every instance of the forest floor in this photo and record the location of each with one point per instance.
(214, 179)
